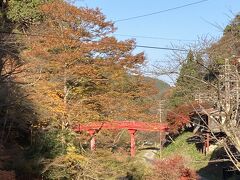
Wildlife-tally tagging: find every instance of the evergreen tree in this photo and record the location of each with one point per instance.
(188, 81)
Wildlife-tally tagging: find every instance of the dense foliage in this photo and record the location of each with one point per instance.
(164, 169)
(65, 67)
(83, 68)
(24, 12)
(188, 82)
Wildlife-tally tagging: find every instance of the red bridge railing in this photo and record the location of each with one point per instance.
(131, 126)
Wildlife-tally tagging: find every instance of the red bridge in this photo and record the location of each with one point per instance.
(131, 126)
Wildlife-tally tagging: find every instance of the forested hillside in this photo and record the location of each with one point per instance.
(160, 85)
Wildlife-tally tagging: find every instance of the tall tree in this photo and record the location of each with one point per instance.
(188, 81)
(82, 72)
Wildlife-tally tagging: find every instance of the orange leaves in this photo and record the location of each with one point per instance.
(132, 61)
(85, 74)
(111, 44)
(82, 20)
(173, 168)
(177, 120)
(179, 116)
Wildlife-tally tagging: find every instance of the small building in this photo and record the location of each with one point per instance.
(203, 120)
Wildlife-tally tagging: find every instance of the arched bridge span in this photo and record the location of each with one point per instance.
(131, 126)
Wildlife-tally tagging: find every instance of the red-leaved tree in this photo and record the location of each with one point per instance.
(173, 168)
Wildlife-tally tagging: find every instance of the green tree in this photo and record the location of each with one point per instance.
(188, 81)
(24, 12)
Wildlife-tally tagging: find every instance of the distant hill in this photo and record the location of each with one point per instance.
(161, 85)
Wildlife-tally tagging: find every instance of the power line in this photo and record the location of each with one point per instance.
(162, 48)
(139, 46)
(162, 11)
(126, 35)
(153, 37)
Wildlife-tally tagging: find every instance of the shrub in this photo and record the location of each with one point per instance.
(173, 168)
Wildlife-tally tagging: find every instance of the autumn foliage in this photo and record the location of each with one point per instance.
(179, 116)
(82, 72)
(173, 168)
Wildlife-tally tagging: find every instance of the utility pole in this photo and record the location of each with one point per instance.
(160, 121)
(231, 87)
(227, 87)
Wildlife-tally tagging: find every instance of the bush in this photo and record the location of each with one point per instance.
(51, 143)
(173, 168)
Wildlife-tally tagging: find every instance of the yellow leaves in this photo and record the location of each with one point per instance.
(56, 103)
(71, 163)
(72, 154)
(75, 157)
(71, 149)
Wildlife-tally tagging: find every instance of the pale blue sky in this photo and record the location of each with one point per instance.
(187, 23)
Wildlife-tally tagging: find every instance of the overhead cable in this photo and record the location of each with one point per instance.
(152, 37)
(139, 46)
(158, 12)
